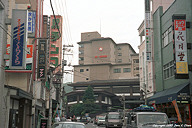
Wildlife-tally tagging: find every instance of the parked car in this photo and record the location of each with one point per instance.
(114, 120)
(68, 125)
(84, 120)
(101, 120)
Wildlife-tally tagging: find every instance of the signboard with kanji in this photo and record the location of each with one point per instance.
(19, 41)
(180, 45)
(42, 52)
(55, 52)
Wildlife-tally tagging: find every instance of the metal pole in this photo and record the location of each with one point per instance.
(123, 110)
(50, 100)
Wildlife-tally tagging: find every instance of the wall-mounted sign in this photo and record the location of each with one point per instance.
(19, 41)
(31, 22)
(180, 44)
(44, 123)
(147, 30)
(42, 52)
(102, 56)
(29, 57)
(56, 42)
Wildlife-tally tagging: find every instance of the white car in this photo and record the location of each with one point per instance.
(68, 125)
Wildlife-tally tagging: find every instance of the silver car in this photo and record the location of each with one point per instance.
(68, 125)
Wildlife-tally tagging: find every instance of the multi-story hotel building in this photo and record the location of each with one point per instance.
(102, 59)
(108, 66)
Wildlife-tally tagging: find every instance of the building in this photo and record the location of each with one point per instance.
(23, 98)
(105, 65)
(171, 70)
(146, 65)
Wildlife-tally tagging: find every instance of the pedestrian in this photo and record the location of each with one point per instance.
(63, 118)
(74, 118)
(57, 118)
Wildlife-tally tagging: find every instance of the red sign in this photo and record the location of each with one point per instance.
(102, 56)
(180, 25)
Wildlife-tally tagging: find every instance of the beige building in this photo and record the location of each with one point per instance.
(102, 59)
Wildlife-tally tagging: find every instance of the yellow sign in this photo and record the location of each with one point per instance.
(182, 67)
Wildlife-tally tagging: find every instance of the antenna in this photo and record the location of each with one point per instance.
(100, 26)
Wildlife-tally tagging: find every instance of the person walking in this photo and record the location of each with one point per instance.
(63, 118)
(57, 118)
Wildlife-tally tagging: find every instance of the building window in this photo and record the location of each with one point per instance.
(81, 58)
(119, 60)
(126, 70)
(81, 45)
(119, 48)
(168, 70)
(81, 52)
(81, 70)
(117, 70)
(136, 68)
(119, 54)
(167, 37)
(135, 60)
(87, 78)
(87, 69)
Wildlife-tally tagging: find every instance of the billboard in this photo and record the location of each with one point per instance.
(19, 40)
(180, 45)
(55, 53)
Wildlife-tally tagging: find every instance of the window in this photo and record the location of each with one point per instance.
(119, 60)
(81, 45)
(87, 69)
(87, 78)
(119, 54)
(168, 70)
(136, 68)
(81, 58)
(126, 70)
(81, 52)
(81, 70)
(117, 70)
(136, 60)
(119, 48)
(167, 37)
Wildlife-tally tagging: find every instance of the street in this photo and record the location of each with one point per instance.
(91, 125)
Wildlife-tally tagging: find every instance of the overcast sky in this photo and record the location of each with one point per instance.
(117, 19)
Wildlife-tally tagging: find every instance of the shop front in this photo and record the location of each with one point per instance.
(175, 102)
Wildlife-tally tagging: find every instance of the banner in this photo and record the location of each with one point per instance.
(19, 41)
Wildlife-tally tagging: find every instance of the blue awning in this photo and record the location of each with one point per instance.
(179, 93)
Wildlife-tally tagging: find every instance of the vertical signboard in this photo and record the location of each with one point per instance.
(147, 30)
(31, 23)
(44, 123)
(41, 67)
(180, 46)
(56, 42)
(19, 41)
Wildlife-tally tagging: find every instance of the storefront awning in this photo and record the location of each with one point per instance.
(179, 93)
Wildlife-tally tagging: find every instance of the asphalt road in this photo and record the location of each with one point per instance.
(91, 125)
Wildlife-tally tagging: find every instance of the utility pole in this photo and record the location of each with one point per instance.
(64, 63)
(50, 98)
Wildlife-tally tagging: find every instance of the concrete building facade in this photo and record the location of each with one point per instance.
(108, 66)
(102, 59)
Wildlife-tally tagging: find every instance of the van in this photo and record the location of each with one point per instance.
(148, 120)
(113, 120)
